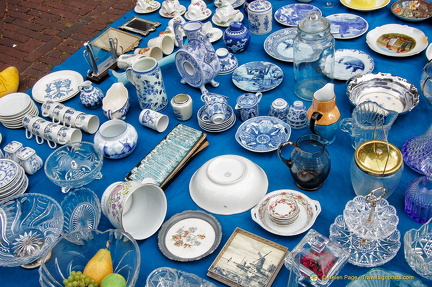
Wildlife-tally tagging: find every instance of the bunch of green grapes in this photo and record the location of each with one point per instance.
(78, 279)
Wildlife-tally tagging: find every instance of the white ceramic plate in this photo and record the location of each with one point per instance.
(292, 14)
(279, 44)
(189, 235)
(350, 63)
(347, 26)
(365, 5)
(396, 40)
(216, 34)
(57, 86)
(13, 104)
(309, 210)
(257, 76)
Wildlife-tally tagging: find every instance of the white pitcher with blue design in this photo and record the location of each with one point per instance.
(146, 75)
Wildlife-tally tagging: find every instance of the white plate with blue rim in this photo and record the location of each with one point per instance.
(350, 63)
(279, 44)
(292, 14)
(347, 26)
(263, 134)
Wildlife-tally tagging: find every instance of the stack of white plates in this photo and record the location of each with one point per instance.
(13, 107)
(13, 180)
(210, 126)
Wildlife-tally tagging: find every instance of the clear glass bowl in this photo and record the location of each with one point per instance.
(30, 225)
(418, 249)
(72, 255)
(170, 277)
(74, 165)
(82, 210)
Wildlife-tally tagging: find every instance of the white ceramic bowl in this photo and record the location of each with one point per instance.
(228, 184)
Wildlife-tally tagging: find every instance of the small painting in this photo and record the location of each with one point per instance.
(395, 42)
(248, 260)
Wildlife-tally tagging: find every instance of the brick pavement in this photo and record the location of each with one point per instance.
(36, 35)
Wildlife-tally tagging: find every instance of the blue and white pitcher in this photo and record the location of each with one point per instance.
(146, 75)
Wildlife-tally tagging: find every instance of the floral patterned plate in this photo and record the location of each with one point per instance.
(262, 134)
(57, 86)
(189, 235)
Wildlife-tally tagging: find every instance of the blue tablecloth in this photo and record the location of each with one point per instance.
(334, 194)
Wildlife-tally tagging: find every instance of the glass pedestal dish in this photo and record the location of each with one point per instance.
(367, 230)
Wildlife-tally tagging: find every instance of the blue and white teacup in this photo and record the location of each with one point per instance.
(279, 109)
(154, 120)
(216, 108)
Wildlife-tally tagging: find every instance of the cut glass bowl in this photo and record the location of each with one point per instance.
(74, 165)
(30, 224)
(364, 253)
(82, 210)
(418, 249)
(72, 255)
(383, 221)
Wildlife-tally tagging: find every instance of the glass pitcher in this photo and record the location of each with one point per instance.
(426, 81)
(314, 47)
(310, 161)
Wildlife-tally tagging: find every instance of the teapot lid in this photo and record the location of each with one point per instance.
(314, 22)
(236, 26)
(378, 158)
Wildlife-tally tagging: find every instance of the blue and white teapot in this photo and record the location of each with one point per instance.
(196, 62)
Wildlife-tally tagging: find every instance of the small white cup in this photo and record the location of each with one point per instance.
(51, 134)
(68, 135)
(154, 52)
(182, 106)
(154, 120)
(28, 121)
(87, 123)
(48, 107)
(58, 113)
(164, 42)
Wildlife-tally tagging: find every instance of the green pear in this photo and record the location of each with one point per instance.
(113, 280)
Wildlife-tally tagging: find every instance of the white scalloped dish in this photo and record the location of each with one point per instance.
(309, 211)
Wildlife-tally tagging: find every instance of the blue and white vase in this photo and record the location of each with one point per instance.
(260, 17)
(90, 96)
(146, 75)
(116, 138)
(236, 37)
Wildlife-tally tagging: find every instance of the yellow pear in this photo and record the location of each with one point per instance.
(9, 81)
(100, 265)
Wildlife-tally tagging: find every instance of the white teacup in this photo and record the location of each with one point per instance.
(48, 107)
(87, 123)
(68, 135)
(59, 112)
(197, 9)
(71, 117)
(51, 134)
(27, 122)
(170, 6)
(154, 120)
(154, 52)
(137, 208)
(225, 14)
(38, 129)
(164, 42)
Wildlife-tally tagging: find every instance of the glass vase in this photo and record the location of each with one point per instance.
(415, 149)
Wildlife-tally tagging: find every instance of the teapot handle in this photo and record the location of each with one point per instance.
(288, 162)
(178, 33)
(316, 116)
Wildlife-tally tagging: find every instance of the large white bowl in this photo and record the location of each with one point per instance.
(228, 184)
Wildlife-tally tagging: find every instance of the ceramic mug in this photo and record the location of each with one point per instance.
(182, 106)
(59, 112)
(48, 107)
(137, 208)
(27, 122)
(51, 134)
(153, 52)
(154, 120)
(38, 129)
(164, 42)
(68, 135)
(70, 117)
(87, 123)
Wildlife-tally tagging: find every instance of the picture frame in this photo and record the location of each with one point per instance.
(248, 260)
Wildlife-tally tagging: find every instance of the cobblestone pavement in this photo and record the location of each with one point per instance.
(36, 35)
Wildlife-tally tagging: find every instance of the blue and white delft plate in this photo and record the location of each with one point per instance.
(263, 134)
(279, 44)
(350, 63)
(257, 76)
(347, 26)
(292, 14)
(57, 86)
(8, 172)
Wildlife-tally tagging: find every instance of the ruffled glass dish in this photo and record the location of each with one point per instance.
(30, 225)
(418, 249)
(72, 255)
(363, 252)
(82, 210)
(74, 165)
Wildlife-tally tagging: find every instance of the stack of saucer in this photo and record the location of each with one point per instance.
(13, 107)
(206, 124)
(13, 180)
(283, 209)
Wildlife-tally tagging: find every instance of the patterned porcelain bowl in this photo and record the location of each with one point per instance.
(283, 209)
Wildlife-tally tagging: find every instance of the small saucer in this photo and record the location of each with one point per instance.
(207, 14)
(156, 5)
(174, 13)
(216, 34)
(238, 17)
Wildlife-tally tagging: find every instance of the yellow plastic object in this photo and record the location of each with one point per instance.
(9, 81)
